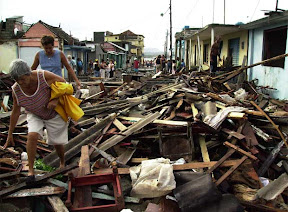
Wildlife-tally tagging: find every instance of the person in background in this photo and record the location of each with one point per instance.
(136, 65)
(174, 69)
(178, 64)
(51, 59)
(79, 64)
(112, 68)
(103, 66)
(169, 67)
(182, 64)
(214, 53)
(163, 63)
(96, 68)
(32, 91)
(90, 65)
(72, 63)
(158, 64)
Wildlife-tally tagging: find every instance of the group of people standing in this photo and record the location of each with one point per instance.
(162, 64)
(105, 69)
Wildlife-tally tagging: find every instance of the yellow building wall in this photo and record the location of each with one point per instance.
(243, 35)
(8, 52)
(112, 38)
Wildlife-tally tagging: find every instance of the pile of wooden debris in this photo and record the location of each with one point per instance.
(225, 143)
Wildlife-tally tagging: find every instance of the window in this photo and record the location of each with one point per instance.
(274, 45)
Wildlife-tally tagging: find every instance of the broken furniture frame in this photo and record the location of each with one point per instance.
(113, 178)
(232, 149)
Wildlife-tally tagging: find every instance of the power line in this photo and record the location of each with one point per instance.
(254, 10)
(192, 9)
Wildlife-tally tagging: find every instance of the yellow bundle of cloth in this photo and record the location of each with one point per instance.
(68, 105)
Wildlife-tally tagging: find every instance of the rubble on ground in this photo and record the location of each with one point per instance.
(167, 143)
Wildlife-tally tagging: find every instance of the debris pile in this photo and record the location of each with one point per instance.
(175, 142)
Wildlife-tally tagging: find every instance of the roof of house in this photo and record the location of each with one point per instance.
(273, 18)
(219, 30)
(126, 33)
(59, 32)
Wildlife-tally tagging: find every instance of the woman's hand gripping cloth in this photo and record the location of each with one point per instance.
(68, 105)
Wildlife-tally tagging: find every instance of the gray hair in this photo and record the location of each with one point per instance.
(19, 68)
(69, 56)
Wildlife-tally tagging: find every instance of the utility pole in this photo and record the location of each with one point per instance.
(224, 10)
(170, 32)
(166, 45)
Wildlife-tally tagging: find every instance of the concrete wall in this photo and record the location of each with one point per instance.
(28, 54)
(274, 77)
(8, 52)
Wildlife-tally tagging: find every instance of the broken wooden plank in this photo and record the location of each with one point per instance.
(233, 133)
(238, 149)
(33, 192)
(157, 121)
(187, 166)
(219, 162)
(133, 128)
(57, 204)
(231, 170)
(204, 149)
(83, 194)
(119, 125)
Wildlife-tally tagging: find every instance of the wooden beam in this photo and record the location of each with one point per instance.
(231, 170)
(57, 204)
(204, 149)
(238, 149)
(157, 121)
(119, 125)
(131, 129)
(83, 194)
(219, 162)
(187, 166)
(34, 192)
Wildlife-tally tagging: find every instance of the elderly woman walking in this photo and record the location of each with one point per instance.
(32, 91)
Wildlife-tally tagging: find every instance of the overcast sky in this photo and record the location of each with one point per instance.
(84, 17)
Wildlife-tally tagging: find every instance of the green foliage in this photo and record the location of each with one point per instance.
(39, 164)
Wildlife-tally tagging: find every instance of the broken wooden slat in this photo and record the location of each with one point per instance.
(57, 204)
(238, 149)
(133, 128)
(187, 166)
(225, 157)
(119, 125)
(204, 150)
(83, 194)
(157, 121)
(231, 170)
(233, 133)
(44, 191)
